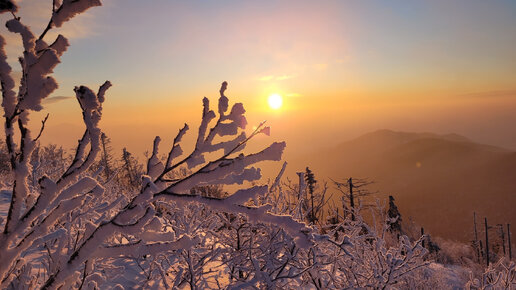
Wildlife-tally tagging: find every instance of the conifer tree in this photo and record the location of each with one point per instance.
(132, 170)
(107, 158)
(310, 180)
(394, 215)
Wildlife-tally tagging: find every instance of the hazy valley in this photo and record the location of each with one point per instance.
(436, 179)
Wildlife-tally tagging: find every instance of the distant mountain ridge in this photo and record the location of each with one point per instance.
(438, 180)
(388, 138)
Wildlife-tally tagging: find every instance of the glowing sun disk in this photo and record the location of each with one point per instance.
(275, 101)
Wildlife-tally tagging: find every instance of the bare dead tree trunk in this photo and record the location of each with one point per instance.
(301, 176)
(487, 241)
(509, 241)
(351, 189)
(477, 247)
(481, 247)
(310, 180)
(312, 199)
(502, 236)
(422, 234)
(351, 198)
(475, 225)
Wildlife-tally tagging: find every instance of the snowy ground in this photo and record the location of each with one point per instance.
(446, 276)
(5, 198)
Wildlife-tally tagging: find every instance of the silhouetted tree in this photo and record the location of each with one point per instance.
(394, 215)
(476, 242)
(509, 240)
(428, 244)
(310, 180)
(502, 237)
(487, 240)
(353, 190)
(107, 156)
(132, 169)
(214, 190)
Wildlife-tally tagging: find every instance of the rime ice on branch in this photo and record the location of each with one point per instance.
(74, 208)
(136, 219)
(79, 227)
(29, 221)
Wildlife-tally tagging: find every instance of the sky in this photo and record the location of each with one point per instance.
(343, 68)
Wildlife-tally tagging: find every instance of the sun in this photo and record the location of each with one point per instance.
(275, 101)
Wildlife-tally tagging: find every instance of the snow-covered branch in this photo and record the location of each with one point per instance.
(181, 226)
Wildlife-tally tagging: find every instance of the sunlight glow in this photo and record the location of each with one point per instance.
(275, 101)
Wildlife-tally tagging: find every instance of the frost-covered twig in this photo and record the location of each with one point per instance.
(37, 63)
(500, 275)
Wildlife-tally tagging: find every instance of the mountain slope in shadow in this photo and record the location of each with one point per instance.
(437, 180)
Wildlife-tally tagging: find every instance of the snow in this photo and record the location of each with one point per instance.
(70, 8)
(73, 230)
(28, 38)
(5, 199)
(60, 45)
(8, 94)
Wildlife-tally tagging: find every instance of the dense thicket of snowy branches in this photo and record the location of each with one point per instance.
(73, 222)
(72, 212)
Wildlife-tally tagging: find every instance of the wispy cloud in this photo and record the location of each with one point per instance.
(491, 94)
(82, 26)
(266, 78)
(284, 77)
(55, 99)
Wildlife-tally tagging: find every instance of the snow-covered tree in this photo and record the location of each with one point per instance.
(500, 275)
(172, 226)
(71, 216)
